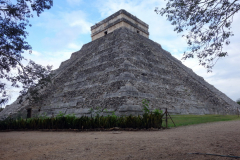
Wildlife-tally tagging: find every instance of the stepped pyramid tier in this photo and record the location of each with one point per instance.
(116, 72)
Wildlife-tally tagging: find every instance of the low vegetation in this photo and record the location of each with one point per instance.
(70, 121)
(145, 121)
(148, 120)
(184, 120)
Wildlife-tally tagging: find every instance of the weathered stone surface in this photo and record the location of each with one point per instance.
(119, 19)
(117, 72)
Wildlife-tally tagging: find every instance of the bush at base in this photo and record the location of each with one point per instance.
(147, 120)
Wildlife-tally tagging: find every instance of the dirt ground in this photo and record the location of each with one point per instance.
(221, 138)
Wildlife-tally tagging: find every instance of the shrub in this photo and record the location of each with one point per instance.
(145, 105)
(70, 121)
(238, 101)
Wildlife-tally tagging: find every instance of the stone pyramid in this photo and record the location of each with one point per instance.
(120, 68)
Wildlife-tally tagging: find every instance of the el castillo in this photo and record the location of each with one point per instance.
(119, 68)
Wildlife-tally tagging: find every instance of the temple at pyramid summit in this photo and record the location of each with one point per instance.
(119, 68)
(120, 19)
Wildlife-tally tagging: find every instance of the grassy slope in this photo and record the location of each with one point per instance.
(183, 120)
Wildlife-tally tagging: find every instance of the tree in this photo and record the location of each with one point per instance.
(238, 101)
(14, 18)
(207, 24)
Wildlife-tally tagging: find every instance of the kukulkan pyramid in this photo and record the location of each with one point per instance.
(117, 70)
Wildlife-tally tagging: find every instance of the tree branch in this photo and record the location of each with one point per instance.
(23, 68)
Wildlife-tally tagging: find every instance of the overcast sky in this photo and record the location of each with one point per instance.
(63, 29)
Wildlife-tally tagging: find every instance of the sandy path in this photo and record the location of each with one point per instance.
(217, 138)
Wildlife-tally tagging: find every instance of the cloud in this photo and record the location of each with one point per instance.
(36, 53)
(67, 30)
(159, 28)
(64, 29)
(226, 73)
(74, 46)
(52, 58)
(47, 58)
(74, 2)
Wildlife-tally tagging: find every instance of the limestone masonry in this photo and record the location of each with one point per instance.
(119, 19)
(119, 69)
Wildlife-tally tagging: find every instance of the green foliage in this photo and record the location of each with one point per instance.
(14, 19)
(208, 25)
(98, 111)
(70, 115)
(238, 101)
(145, 105)
(91, 111)
(157, 112)
(113, 114)
(60, 115)
(62, 121)
(42, 116)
